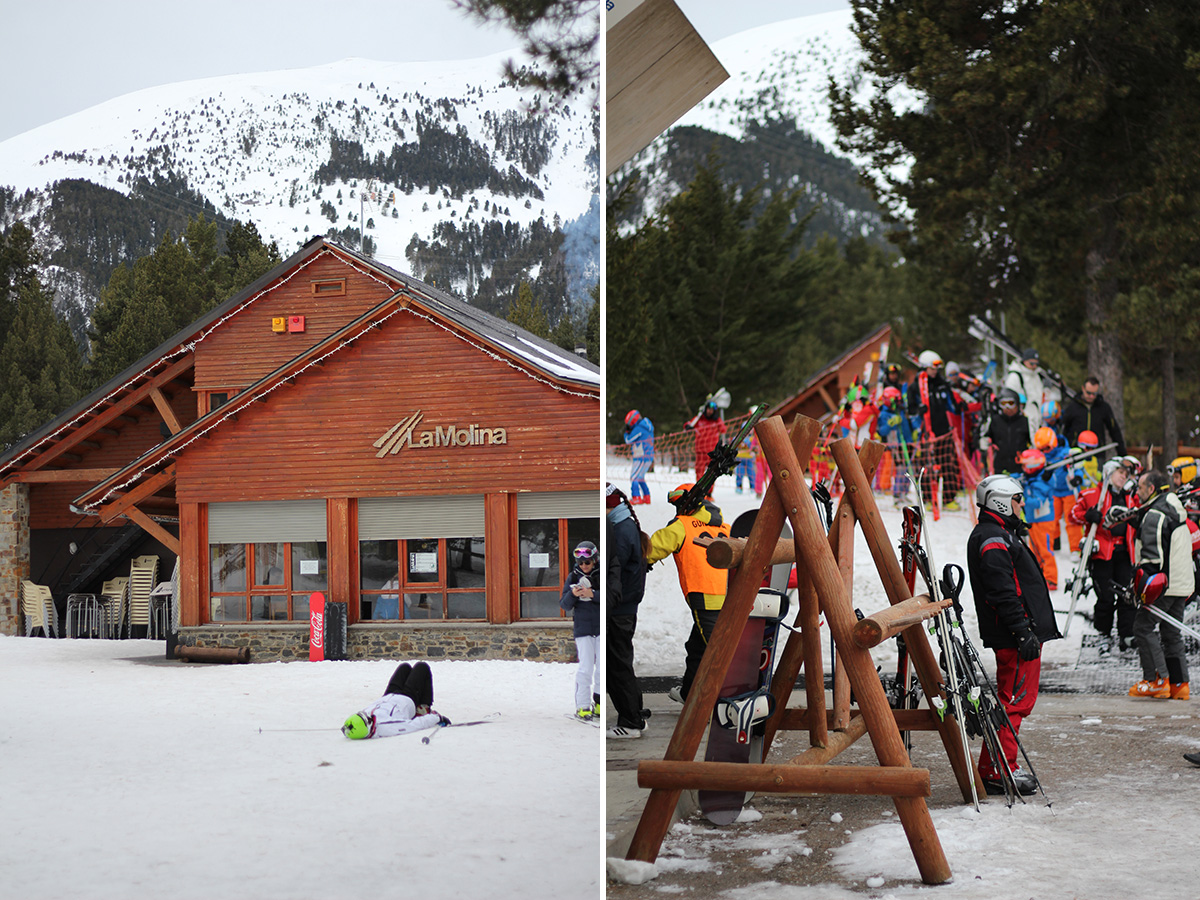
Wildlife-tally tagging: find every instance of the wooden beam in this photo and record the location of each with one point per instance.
(822, 565)
(59, 448)
(150, 486)
(697, 711)
(152, 528)
(46, 476)
(889, 781)
(164, 410)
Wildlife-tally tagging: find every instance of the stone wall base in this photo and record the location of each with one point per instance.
(543, 642)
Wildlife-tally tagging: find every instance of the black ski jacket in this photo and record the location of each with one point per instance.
(1097, 418)
(625, 549)
(1010, 591)
(1009, 436)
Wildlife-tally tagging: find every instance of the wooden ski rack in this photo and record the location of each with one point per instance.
(825, 569)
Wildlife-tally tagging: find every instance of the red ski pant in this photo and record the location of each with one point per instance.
(1041, 541)
(1017, 685)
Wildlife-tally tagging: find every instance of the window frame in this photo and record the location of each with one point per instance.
(439, 588)
(252, 589)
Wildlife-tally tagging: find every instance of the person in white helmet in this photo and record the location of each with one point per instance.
(1012, 602)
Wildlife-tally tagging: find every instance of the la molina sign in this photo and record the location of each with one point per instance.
(404, 434)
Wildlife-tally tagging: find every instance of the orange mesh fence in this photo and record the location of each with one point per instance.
(949, 468)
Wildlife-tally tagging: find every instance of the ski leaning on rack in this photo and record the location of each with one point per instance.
(905, 692)
(986, 716)
(954, 683)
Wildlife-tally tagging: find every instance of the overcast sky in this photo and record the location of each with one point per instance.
(715, 19)
(63, 56)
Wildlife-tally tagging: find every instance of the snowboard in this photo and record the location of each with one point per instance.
(750, 671)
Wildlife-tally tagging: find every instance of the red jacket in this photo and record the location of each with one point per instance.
(1106, 541)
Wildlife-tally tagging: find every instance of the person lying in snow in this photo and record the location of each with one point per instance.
(404, 707)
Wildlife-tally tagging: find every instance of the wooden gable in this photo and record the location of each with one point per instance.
(315, 436)
(326, 291)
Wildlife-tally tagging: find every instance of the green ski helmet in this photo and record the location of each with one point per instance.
(356, 728)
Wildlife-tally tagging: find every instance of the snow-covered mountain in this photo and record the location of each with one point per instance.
(776, 97)
(404, 148)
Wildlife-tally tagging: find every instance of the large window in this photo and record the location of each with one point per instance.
(546, 561)
(422, 578)
(265, 582)
(421, 558)
(265, 560)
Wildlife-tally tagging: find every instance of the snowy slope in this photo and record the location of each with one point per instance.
(776, 71)
(131, 777)
(251, 145)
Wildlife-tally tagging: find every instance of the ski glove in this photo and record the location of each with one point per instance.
(1092, 516)
(1075, 481)
(1115, 514)
(1047, 475)
(443, 721)
(1028, 646)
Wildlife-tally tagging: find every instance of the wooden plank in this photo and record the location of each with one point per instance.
(835, 603)
(164, 410)
(893, 781)
(44, 476)
(500, 577)
(150, 486)
(152, 528)
(657, 68)
(337, 525)
(193, 560)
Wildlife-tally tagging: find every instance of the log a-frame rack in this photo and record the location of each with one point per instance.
(825, 573)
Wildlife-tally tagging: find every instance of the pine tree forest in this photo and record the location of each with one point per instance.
(1048, 175)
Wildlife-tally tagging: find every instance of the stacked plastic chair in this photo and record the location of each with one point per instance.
(143, 574)
(37, 608)
(114, 595)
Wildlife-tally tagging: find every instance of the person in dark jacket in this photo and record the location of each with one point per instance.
(1006, 435)
(1012, 602)
(1090, 412)
(626, 585)
(581, 598)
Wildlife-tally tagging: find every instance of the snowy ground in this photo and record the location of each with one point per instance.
(1123, 795)
(128, 776)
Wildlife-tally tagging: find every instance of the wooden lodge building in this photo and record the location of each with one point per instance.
(337, 427)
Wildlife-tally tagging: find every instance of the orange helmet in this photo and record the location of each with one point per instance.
(678, 492)
(1045, 438)
(1033, 461)
(1088, 440)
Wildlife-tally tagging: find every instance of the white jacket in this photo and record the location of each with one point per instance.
(397, 714)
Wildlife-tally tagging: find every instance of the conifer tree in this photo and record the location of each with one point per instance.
(1035, 132)
(525, 312)
(40, 366)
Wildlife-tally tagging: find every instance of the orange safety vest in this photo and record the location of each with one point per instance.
(691, 562)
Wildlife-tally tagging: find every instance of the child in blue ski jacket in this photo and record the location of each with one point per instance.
(1039, 513)
(639, 436)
